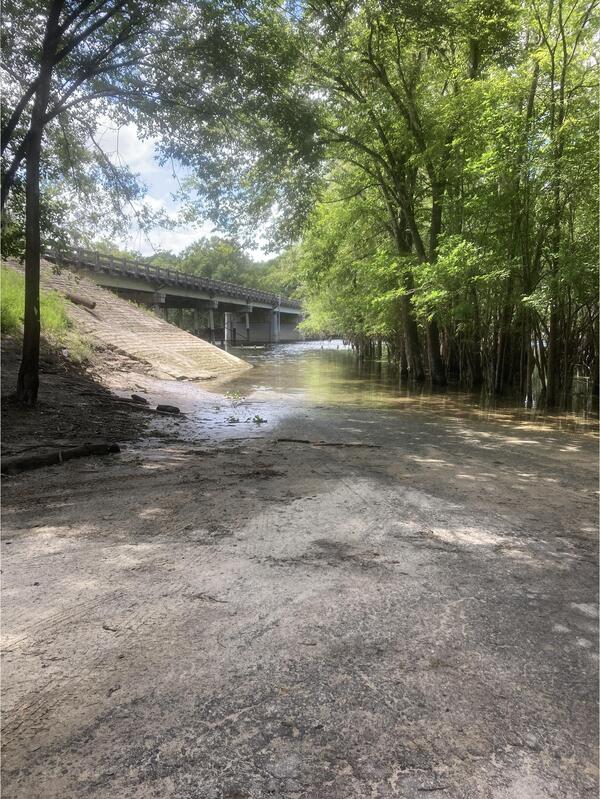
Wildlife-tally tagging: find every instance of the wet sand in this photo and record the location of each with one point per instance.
(217, 613)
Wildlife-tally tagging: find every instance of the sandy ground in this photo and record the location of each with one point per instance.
(227, 619)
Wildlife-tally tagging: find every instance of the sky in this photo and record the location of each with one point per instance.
(124, 146)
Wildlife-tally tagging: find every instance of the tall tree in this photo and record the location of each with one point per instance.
(390, 73)
(57, 61)
(173, 68)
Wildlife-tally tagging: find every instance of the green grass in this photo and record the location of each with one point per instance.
(53, 315)
(56, 327)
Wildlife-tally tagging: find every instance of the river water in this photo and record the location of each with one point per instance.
(328, 374)
(321, 391)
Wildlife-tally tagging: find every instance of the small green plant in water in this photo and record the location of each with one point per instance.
(232, 420)
(259, 420)
(235, 397)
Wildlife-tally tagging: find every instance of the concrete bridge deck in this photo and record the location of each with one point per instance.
(216, 310)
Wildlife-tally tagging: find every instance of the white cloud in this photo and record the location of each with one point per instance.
(174, 240)
(125, 147)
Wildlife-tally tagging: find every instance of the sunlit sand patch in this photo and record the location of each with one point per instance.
(416, 459)
(468, 535)
(150, 513)
(515, 440)
(560, 628)
(515, 553)
(586, 609)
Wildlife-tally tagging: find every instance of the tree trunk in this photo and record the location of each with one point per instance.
(411, 341)
(503, 340)
(529, 377)
(553, 373)
(475, 367)
(28, 379)
(402, 359)
(412, 348)
(437, 372)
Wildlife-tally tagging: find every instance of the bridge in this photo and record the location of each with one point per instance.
(212, 309)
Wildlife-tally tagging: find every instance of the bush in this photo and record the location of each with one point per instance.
(12, 298)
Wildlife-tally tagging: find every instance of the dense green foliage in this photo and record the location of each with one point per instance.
(458, 219)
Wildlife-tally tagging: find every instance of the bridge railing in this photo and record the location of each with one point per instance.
(162, 275)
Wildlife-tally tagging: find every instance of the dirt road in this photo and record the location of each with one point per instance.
(254, 618)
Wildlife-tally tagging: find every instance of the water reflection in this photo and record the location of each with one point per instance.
(329, 373)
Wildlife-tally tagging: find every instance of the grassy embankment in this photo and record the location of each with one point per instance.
(57, 329)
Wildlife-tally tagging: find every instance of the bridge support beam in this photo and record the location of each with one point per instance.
(275, 325)
(158, 304)
(230, 329)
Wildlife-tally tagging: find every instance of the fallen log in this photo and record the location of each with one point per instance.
(77, 299)
(168, 409)
(21, 463)
(137, 406)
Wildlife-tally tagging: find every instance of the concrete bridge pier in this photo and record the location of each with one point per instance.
(200, 307)
(275, 325)
(158, 304)
(252, 325)
(230, 330)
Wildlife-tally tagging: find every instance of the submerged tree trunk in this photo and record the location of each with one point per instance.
(437, 371)
(412, 347)
(414, 363)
